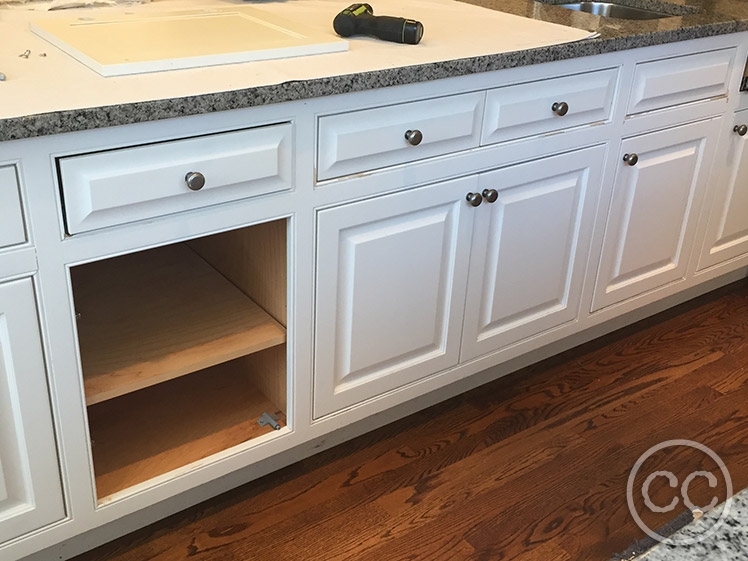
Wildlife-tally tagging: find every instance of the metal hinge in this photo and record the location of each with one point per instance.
(268, 419)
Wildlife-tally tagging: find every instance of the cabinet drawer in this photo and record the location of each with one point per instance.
(129, 184)
(673, 81)
(12, 230)
(373, 138)
(537, 107)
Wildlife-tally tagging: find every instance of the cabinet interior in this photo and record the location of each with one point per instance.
(183, 349)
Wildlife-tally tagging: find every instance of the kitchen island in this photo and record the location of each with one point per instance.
(206, 275)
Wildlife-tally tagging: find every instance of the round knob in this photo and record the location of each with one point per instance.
(560, 108)
(195, 180)
(740, 129)
(630, 159)
(474, 199)
(491, 195)
(414, 137)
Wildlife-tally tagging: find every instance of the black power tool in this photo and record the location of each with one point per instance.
(359, 19)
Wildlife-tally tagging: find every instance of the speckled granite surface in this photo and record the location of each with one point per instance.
(728, 543)
(691, 19)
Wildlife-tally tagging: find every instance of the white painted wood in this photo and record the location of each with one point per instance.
(177, 40)
(391, 276)
(129, 184)
(727, 230)
(652, 218)
(683, 79)
(530, 249)
(374, 138)
(12, 229)
(525, 109)
(30, 491)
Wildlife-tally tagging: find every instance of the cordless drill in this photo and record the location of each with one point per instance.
(359, 19)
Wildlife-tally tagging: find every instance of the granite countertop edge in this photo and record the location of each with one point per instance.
(58, 122)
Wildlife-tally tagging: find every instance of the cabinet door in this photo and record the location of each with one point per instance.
(391, 276)
(530, 248)
(652, 216)
(30, 491)
(727, 229)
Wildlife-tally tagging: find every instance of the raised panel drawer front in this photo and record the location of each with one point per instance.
(683, 79)
(727, 229)
(125, 185)
(391, 276)
(654, 210)
(12, 230)
(30, 490)
(549, 105)
(530, 249)
(374, 138)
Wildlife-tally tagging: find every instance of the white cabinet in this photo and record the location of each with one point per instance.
(727, 228)
(658, 189)
(30, 490)
(391, 274)
(530, 249)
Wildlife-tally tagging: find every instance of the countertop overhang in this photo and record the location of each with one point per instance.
(261, 83)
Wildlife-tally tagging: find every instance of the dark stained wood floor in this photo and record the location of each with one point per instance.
(530, 467)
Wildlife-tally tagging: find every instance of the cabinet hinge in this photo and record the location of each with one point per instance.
(268, 419)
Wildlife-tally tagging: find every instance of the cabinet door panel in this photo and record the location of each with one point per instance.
(390, 291)
(30, 491)
(651, 222)
(530, 248)
(727, 229)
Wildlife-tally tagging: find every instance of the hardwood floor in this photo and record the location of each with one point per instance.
(533, 466)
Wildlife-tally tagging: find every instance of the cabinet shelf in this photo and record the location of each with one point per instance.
(156, 315)
(177, 422)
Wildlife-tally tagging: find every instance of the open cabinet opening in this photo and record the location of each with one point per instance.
(183, 351)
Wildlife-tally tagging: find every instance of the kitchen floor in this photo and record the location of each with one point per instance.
(533, 466)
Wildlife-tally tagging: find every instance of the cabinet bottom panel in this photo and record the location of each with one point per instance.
(150, 432)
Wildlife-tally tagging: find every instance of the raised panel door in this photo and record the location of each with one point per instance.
(30, 490)
(391, 275)
(530, 249)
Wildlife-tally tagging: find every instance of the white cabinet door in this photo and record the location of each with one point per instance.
(530, 249)
(30, 491)
(391, 275)
(727, 230)
(652, 216)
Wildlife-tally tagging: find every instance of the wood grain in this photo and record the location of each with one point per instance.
(254, 260)
(156, 315)
(531, 466)
(152, 431)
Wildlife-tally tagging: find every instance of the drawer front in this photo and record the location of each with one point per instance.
(673, 81)
(528, 109)
(125, 185)
(374, 138)
(12, 230)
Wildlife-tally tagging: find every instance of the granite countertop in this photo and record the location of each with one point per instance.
(691, 19)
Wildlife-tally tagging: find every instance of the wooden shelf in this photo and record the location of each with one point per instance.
(150, 432)
(155, 315)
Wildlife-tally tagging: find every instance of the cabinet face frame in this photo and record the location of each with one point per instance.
(30, 486)
(726, 234)
(409, 247)
(539, 284)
